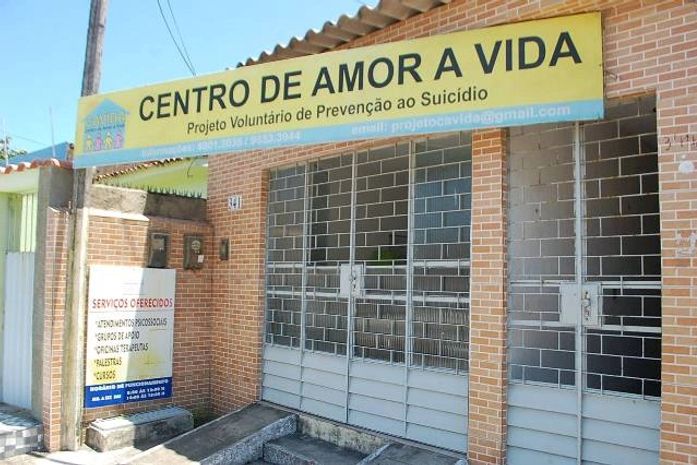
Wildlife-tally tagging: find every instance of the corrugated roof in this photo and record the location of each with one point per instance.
(62, 151)
(346, 29)
(25, 165)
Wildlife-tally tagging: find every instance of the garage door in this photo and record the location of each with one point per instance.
(585, 291)
(367, 294)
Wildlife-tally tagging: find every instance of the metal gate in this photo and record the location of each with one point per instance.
(367, 295)
(585, 291)
(17, 329)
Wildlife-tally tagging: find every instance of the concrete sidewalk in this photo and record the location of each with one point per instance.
(84, 456)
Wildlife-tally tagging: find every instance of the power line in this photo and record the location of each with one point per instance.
(174, 40)
(15, 136)
(179, 34)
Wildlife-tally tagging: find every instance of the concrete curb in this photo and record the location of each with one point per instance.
(128, 430)
(238, 453)
(370, 458)
(252, 447)
(281, 455)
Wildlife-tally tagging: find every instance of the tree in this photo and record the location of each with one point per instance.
(11, 152)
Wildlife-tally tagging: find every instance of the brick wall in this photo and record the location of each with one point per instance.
(238, 283)
(488, 335)
(649, 47)
(56, 243)
(124, 242)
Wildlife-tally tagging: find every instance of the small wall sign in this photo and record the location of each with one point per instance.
(130, 332)
(686, 244)
(193, 252)
(234, 203)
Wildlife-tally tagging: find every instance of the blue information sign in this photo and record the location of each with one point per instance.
(131, 391)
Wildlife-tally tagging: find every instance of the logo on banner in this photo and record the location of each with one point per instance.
(105, 127)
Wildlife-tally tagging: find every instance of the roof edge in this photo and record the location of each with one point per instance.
(346, 29)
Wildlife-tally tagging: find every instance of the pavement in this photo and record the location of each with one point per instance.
(84, 456)
(186, 449)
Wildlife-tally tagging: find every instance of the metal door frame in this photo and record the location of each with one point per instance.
(407, 298)
(581, 278)
(581, 237)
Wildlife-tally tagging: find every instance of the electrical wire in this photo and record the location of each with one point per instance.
(27, 139)
(174, 40)
(179, 34)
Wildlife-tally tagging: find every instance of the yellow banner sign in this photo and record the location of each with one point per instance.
(523, 73)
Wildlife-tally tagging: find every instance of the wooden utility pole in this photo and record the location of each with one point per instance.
(92, 72)
(73, 354)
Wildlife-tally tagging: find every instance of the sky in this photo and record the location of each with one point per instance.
(42, 45)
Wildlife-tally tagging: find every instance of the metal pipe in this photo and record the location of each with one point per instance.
(303, 279)
(606, 284)
(351, 299)
(578, 207)
(409, 305)
(381, 297)
(450, 264)
(556, 324)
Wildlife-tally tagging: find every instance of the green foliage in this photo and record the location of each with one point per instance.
(11, 152)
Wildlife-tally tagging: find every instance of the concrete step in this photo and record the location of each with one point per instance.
(234, 439)
(301, 449)
(142, 430)
(20, 433)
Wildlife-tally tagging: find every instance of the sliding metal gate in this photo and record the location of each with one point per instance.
(17, 337)
(367, 295)
(17, 329)
(585, 291)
